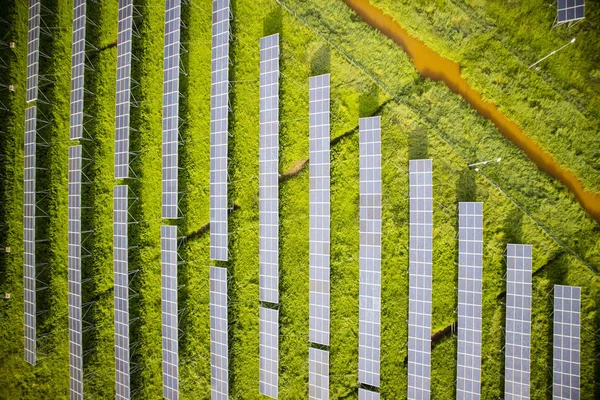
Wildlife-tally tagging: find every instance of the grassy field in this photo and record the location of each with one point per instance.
(370, 76)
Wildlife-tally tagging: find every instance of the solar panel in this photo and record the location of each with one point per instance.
(269, 169)
(518, 322)
(77, 69)
(125, 26)
(269, 351)
(319, 209)
(364, 394)
(29, 234)
(74, 274)
(218, 334)
(318, 374)
(121, 290)
(219, 114)
(170, 355)
(420, 265)
(170, 111)
(567, 327)
(33, 50)
(470, 269)
(570, 10)
(369, 327)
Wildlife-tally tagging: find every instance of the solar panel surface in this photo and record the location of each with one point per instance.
(170, 349)
(121, 290)
(369, 317)
(33, 50)
(319, 246)
(218, 334)
(567, 342)
(77, 68)
(420, 279)
(269, 352)
(364, 394)
(318, 374)
(269, 169)
(570, 10)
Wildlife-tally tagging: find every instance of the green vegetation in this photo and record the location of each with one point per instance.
(370, 76)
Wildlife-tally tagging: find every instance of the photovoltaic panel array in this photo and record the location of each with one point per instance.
(77, 68)
(74, 274)
(319, 247)
(567, 342)
(269, 169)
(364, 394)
(29, 234)
(170, 111)
(170, 353)
(219, 114)
(318, 374)
(269, 352)
(121, 290)
(420, 279)
(470, 270)
(570, 10)
(369, 320)
(124, 33)
(218, 334)
(33, 50)
(518, 322)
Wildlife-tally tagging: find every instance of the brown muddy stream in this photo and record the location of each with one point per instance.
(431, 65)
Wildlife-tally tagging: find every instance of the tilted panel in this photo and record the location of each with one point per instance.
(269, 169)
(219, 114)
(122, 118)
(570, 10)
(567, 342)
(170, 352)
(29, 234)
(319, 248)
(364, 394)
(77, 68)
(369, 327)
(269, 352)
(518, 322)
(219, 350)
(420, 279)
(318, 374)
(74, 274)
(170, 110)
(33, 50)
(470, 269)
(121, 290)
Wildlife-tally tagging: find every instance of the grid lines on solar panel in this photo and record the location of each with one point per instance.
(364, 394)
(170, 110)
(319, 235)
(74, 274)
(170, 352)
(566, 347)
(77, 68)
(33, 50)
(219, 117)
(318, 374)
(29, 234)
(123, 90)
(219, 350)
(269, 352)
(369, 327)
(269, 169)
(121, 291)
(518, 322)
(420, 279)
(470, 269)
(570, 10)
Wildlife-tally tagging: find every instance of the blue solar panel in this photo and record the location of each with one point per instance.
(170, 336)
(77, 68)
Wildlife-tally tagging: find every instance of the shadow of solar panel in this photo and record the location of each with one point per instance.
(170, 352)
(269, 352)
(123, 90)
(570, 10)
(420, 279)
(219, 118)
(269, 169)
(219, 350)
(74, 273)
(364, 394)
(369, 318)
(518, 321)
(29, 286)
(470, 269)
(77, 68)
(33, 50)
(318, 374)
(566, 369)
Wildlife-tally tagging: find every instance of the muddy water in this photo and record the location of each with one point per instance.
(431, 65)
